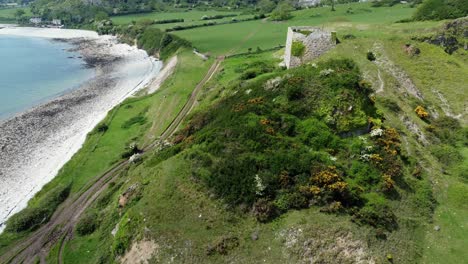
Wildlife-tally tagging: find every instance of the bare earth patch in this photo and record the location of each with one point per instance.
(141, 252)
(323, 247)
(167, 70)
(405, 82)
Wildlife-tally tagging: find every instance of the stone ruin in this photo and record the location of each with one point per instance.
(313, 41)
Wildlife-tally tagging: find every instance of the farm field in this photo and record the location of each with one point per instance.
(192, 17)
(7, 15)
(267, 34)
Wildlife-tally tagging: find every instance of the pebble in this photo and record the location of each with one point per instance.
(254, 235)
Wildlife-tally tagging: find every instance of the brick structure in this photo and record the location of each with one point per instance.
(315, 42)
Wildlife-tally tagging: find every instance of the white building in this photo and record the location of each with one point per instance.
(56, 22)
(35, 20)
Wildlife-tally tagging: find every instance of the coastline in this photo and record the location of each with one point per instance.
(36, 144)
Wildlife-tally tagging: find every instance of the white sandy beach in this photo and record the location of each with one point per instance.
(34, 145)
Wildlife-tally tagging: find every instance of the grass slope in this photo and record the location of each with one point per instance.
(175, 210)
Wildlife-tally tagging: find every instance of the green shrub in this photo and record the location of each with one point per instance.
(87, 224)
(370, 56)
(264, 210)
(448, 130)
(167, 21)
(293, 200)
(130, 151)
(27, 219)
(446, 154)
(150, 40)
(281, 12)
(140, 120)
(390, 104)
(377, 215)
(33, 217)
(102, 128)
(155, 41)
(441, 9)
(297, 49)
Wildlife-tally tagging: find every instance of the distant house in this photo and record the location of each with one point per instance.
(11, 4)
(56, 22)
(35, 20)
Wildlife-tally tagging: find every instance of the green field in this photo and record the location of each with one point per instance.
(192, 17)
(267, 34)
(188, 16)
(8, 15)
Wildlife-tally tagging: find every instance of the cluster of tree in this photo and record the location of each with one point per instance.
(441, 9)
(73, 12)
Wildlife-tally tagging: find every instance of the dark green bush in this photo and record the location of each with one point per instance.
(297, 49)
(377, 215)
(168, 21)
(33, 217)
(130, 151)
(441, 9)
(390, 104)
(27, 219)
(155, 41)
(102, 128)
(150, 40)
(264, 210)
(446, 154)
(87, 224)
(140, 120)
(370, 56)
(448, 130)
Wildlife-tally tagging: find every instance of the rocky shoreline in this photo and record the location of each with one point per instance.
(35, 144)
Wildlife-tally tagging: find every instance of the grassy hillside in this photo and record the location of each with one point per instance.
(327, 163)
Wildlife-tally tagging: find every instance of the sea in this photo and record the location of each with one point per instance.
(36, 70)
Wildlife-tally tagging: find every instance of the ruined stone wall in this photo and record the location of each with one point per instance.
(316, 43)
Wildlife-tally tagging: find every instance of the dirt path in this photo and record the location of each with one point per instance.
(62, 223)
(382, 83)
(405, 83)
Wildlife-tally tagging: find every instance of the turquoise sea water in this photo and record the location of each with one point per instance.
(35, 70)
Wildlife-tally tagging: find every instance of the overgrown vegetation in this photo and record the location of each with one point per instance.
(38, 214)
(156, 42)
(441, 9)
(298, 147)
(297, 49)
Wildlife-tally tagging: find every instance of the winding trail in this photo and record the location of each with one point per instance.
(61, 225)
